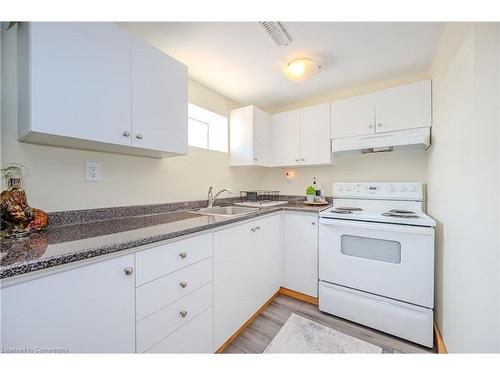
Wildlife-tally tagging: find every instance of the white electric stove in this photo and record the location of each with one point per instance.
(376, 258)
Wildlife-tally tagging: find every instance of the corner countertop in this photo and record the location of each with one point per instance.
(79, 235)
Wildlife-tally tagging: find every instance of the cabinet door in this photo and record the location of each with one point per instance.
(233, 280)
(315, 134)
(159, 100)
(268, 260)
(353, 116)
(286, 138)
(88, 309)
(241, 136)
(262, 136)
(404, 107)
(301, 253)
(80, 80)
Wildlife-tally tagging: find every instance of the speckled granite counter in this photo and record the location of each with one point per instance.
(77, 235)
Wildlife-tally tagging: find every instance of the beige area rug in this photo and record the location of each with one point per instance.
(301, 335)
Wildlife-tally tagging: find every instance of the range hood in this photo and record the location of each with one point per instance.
(419, 138)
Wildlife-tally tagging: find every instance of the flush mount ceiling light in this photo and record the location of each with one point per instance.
(301, 69)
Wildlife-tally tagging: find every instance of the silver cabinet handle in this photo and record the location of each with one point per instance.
(183, 313)
(182, 254)
(138, 136)
(303, 159)
(253, 229)
(370, 127)
(257, 227)
(126, 134)
(379, 124)
(255, 159)
(296, 159)
(128, 271)
(183, 284)
(313, 223)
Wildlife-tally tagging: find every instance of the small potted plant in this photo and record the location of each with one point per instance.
(311, 194)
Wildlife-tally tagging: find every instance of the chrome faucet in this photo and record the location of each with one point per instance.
(212, 198)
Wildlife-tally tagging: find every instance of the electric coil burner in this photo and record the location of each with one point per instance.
(346, 210)
(401, 213)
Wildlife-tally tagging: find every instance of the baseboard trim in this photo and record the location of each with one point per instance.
(298, 296)
(246, 324)
(438, 340)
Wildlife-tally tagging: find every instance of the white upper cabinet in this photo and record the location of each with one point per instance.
(404, 107)
(78, 77)
(302, 136)
(315, 135)
(91, 85)
(159, 100)
(286, 133)
(250, 137)
(398, 108)
(353, 116)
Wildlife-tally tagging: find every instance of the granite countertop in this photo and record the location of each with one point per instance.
(77, 235)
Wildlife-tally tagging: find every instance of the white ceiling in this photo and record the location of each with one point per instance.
(240, 61)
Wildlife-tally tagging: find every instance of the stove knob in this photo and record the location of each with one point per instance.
(389, 188)
(401, 188)
(347, 188)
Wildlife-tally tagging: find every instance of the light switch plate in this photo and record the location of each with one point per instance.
(93, 171)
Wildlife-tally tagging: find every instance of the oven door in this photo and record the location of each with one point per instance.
(395, 261)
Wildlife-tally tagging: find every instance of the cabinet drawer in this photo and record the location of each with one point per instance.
(162, 323)
(194, 337)
(162, 260)
(161, 292)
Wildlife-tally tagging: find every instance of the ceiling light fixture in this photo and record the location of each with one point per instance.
(301, 69)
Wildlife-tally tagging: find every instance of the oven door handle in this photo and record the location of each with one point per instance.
(377, 226)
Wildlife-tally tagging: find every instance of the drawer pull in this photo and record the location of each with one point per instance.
(183, 313)
(183, 284)
(128, 271)
(182, 254)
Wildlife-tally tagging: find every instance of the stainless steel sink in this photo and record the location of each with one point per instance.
(226, 211)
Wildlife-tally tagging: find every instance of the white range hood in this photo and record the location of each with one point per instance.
(419, 138)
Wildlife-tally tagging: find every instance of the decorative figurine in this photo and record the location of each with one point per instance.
(17, 217)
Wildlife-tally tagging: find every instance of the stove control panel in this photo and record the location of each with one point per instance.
(378, 190)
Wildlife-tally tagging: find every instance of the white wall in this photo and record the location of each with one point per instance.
(463, 176)
(407, 165)
(57, 179)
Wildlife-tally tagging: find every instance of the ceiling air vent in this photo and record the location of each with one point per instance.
(277, 32)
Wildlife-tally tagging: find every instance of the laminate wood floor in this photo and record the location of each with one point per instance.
(257, 336)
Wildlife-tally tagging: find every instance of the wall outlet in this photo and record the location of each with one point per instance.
(93, 171)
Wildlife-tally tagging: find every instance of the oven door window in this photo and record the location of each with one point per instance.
(371, 248)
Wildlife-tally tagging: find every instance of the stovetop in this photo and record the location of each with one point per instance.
(392, 212)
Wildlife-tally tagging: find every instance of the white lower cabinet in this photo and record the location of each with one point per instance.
(247, 272)
(267, 260)
(233, 278)
(174, 291)
(187, 296)
(83, 310)
(194, 337)
(300, 252)
(153, 329)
